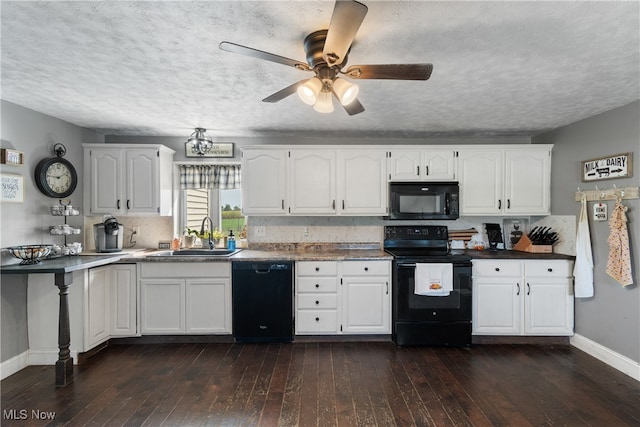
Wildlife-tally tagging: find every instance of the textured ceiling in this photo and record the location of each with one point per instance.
(154, 68)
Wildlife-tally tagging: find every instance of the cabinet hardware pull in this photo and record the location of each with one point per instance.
(343, 205)
(317, 302)
(366, 269)
(118, 204)
(549, 270)
(128, 204)
(317, 319)
(317, 285)
(497, 268)
(528, 289)
(418, 170)
(426, 170)
(333, 204)
(387, 283)
(317, 268)
(499, 203)
(282, 203)
(508, 203)
(518, 285)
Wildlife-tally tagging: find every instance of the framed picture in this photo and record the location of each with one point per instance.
(609, 167)
(11, 157)
(219, 149)
(12, 188)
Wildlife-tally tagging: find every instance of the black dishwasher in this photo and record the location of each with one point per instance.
(262, 301)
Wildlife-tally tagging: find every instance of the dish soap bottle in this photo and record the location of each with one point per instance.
(231, 241)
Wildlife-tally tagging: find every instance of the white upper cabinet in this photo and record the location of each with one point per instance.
(264, 185)
(128, 180)
(480, 173)
(510, 181)
(433, 164)
(312, 182)
(362, 183)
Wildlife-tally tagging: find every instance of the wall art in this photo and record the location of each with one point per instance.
(608, 167)
(219, 149)
(11, 188)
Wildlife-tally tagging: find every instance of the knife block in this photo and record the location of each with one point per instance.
(525, 245)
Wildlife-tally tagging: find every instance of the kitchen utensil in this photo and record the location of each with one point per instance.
(30, 254)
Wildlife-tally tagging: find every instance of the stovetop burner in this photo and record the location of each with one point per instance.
(419, 242)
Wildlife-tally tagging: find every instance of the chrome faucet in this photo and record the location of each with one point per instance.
(210, 230)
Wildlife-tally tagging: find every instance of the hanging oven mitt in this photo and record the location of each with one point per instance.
(619, 262)
(583, 268)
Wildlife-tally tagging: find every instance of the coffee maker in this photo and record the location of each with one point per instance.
(108, 235)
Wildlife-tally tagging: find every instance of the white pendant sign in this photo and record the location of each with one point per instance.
(600, 212)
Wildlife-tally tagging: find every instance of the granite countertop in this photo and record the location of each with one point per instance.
(64, 264)
(505, 254)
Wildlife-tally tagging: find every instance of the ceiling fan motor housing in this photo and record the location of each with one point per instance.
(314, 46)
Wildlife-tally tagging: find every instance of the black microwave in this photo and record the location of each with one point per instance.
(424, 200)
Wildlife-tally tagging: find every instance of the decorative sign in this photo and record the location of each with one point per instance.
(219, 149)
(610, 167)
(11, 188)
(11, 157)
(599, 212)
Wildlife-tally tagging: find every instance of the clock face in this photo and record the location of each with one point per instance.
(59, 177)
(56, 177)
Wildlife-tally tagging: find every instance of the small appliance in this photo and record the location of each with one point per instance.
(424, 200)
(108, 235)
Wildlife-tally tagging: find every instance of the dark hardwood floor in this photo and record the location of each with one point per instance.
(327, 384)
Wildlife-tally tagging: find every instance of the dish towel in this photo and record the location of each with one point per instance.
(433, 279)
(619, 262)
(583, 267)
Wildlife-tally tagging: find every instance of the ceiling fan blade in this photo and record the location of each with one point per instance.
(390, 71)
(255, 53)
(281, 94)
(345, 22)
(353, 108)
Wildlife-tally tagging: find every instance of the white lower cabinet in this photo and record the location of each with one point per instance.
(343, 297)
(516, 297)
(185, 298)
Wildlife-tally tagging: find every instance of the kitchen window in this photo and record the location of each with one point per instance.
(211, 190)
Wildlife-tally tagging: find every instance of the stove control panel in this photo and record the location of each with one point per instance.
(420, 232)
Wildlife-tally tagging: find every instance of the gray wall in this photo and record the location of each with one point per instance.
(34, 134)
(612, 317)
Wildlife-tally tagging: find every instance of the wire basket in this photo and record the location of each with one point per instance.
(30, 254)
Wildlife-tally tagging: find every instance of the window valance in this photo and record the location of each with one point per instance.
(224, 177)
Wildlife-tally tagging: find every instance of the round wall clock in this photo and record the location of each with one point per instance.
(55, 176)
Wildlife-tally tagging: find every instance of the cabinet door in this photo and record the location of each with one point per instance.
(548, 307)
(366, 305)
(363, 183)
(123, 300)
(142, 183)
(208, 306)
(106, 180)
(263, 182)
(98, 326)
(527, 178)
(438, 165)
(162, 306)
(480, 173)
(312, 183)
(496, 306)
(404, 165)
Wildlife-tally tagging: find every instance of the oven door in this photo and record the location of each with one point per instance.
(411, 307)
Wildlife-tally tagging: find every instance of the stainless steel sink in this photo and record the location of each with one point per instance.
(199, 252)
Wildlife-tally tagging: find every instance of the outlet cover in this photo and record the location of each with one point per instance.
(260, 230)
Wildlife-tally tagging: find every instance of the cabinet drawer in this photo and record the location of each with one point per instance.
(317, 284)
(316, 301)
(319, 268)
(317, 321)
(497, 268)
(550, 268)
(185, 269)
(366, 268)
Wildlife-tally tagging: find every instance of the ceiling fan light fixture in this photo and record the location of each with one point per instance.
(310, 90)
(201, 143)
(345, 91)
(324, 104)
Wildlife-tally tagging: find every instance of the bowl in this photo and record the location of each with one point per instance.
(30, 254)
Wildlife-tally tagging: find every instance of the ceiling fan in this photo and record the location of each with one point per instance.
(327, 53)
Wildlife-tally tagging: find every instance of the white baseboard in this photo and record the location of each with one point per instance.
(608, 356)
(13, 365)
(48, 357)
